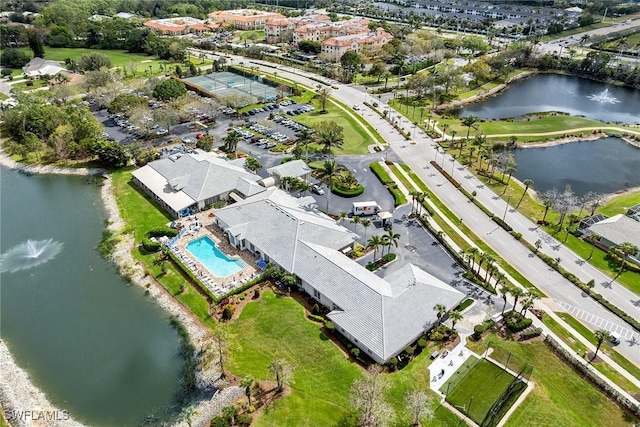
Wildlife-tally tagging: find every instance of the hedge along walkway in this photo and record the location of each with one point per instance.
(555, 132)
(538, 304)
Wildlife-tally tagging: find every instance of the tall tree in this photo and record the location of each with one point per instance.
(469, 121)
(374, 243)
(282, 371)
(455, 317)
(323, 94)
(418, 405)
(527, 183)
(593, 237)
(326, 175)
(623, 250)
(367, 398)
(440, 310)
(329, 135)
(35, 44)
(601, 336)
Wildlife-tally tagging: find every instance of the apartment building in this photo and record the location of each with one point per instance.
(244, 19)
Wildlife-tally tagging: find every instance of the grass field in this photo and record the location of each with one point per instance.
(478, 389)
(356, 139)
(276, 327)
(142, 215)
(119, 58)
(561, 397)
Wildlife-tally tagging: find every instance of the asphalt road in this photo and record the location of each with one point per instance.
(550, 282)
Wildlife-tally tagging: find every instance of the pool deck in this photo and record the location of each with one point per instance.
(207, 227)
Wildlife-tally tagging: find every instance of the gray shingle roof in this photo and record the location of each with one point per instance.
(272, 220)
(618, 229)
(201, 176)
(385, 315)
(295, 168)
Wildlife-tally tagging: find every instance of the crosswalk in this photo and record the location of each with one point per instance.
(600, 323)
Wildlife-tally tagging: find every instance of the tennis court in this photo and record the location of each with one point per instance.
(225, 83)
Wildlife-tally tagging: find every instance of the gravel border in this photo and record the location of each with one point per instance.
(17, 391)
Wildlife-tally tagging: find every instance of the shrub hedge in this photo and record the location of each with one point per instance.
(382, 174)
(344, 192)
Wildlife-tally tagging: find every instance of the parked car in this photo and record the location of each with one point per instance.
(356, 107)
(315, 188)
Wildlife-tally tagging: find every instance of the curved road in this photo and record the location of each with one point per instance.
(564, 293)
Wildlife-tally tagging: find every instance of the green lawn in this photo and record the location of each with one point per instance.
(561, 397)
(620, 204)
(275, 327)
(119, 58)
(141, 215)
(479, 389)
(356, 139)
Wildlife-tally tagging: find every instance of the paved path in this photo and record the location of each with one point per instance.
(418, 155)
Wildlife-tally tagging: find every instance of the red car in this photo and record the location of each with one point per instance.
(199, 135)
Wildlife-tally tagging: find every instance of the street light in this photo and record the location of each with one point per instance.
(505, 208)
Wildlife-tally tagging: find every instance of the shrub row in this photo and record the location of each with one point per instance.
(164, 231)
(530, 333)
(345, 192)
(472, 277)
(446, 174)
(398, 197)
(149, 245)
(583, 286)
(585, 370)
(382, 174)
(501, 223)
(316, 318)
(386, 258)
(628, 265)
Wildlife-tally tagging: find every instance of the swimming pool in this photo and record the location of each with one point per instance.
(217, 262)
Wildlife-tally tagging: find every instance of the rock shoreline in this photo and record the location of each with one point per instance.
(19, 393)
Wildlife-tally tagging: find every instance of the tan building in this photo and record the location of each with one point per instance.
(276, 27)
(179, 26)
(320, 31)
(335, 47)
(244, 19)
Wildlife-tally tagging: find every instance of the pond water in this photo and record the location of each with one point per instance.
(552, 92)
(605, 166)
(97, 347)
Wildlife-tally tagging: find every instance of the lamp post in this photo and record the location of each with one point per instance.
(505, 208)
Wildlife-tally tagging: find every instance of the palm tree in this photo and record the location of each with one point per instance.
(374, 243)
(601, 336)
(440, 311)
(516, 293)
(356, 220)
(547, 204)
(365, 223)
(304, 138)
(527, 183)
(469, 122)
(505, 290)
(329, 135)
(231, 142)
(342, 216)
(473, 253)
(326, 175)
(489, 260)
(323, 93)
(528, 302)
(624, 249)
(414, 194)
(444, 127)
(248, 383)
(391, 239)
(455, 317)
(594, 238)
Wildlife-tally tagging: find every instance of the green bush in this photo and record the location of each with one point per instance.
(502, 224)
(150, 246)
(355, 351)
(530, 333)
(227, 311)
(382, 174)
(166, 231)
(343, 192)
(422, 343)
(516, 235)
(436, 336)
(328, 324)
(517, 322)
(409, 350)
(316, 318)
(244, 420)
(388, 257)
(480, 329)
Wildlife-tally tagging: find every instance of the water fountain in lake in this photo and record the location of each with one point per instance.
(604, 97)
(29, 254)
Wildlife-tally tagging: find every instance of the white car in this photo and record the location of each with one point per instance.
(161, 132)
(356, 107)
(317, 189)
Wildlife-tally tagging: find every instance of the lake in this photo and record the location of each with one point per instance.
(96, 346)
(553, 92)
(605, 166)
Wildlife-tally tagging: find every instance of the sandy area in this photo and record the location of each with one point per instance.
(17, 391)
